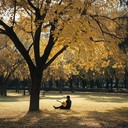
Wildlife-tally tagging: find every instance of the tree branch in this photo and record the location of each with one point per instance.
(113, 35)
(2, 31)
(47, 25)
(55, 56)
(30, 3)
(108, 19)
(14, 13)
(60, 2)
(49, 46)
(30, 47)
(32, 27)
(12, 35)
(36, 44)
(97, 23)
(4, 25)
(41, 5)
(107, 31)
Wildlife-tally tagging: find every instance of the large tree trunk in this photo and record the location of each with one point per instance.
(35, 91)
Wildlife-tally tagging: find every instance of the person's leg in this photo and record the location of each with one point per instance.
(60, 107)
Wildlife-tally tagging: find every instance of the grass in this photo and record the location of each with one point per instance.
(89, 110)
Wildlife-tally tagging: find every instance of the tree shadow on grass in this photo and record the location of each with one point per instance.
(116, 118)
(46, 119)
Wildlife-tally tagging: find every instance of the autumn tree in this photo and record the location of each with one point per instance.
(63, 23)
(10, 60)
(123, 18)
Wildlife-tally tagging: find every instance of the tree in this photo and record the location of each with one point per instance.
(63, 22)
(9, 62)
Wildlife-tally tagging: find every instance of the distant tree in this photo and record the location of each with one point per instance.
(9, 63)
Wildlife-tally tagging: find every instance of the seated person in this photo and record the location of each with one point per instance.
(65, 105)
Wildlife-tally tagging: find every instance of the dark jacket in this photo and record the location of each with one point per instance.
(69, 103)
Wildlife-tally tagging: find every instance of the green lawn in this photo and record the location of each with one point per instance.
(89, 110)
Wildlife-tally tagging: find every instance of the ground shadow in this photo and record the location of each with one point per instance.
(116, 118)
(44, 119)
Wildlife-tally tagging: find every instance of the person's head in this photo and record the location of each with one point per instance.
(68, 97)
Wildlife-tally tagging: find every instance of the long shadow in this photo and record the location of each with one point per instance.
(116, 118)
(44, 119)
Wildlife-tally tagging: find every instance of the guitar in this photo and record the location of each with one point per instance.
(63, 103)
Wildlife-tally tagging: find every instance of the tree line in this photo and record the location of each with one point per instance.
(74, 83)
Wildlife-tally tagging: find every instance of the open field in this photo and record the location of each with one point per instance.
(89, 110)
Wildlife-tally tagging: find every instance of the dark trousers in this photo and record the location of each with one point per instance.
(61, 107)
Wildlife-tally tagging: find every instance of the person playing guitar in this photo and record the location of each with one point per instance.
(65, 105)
